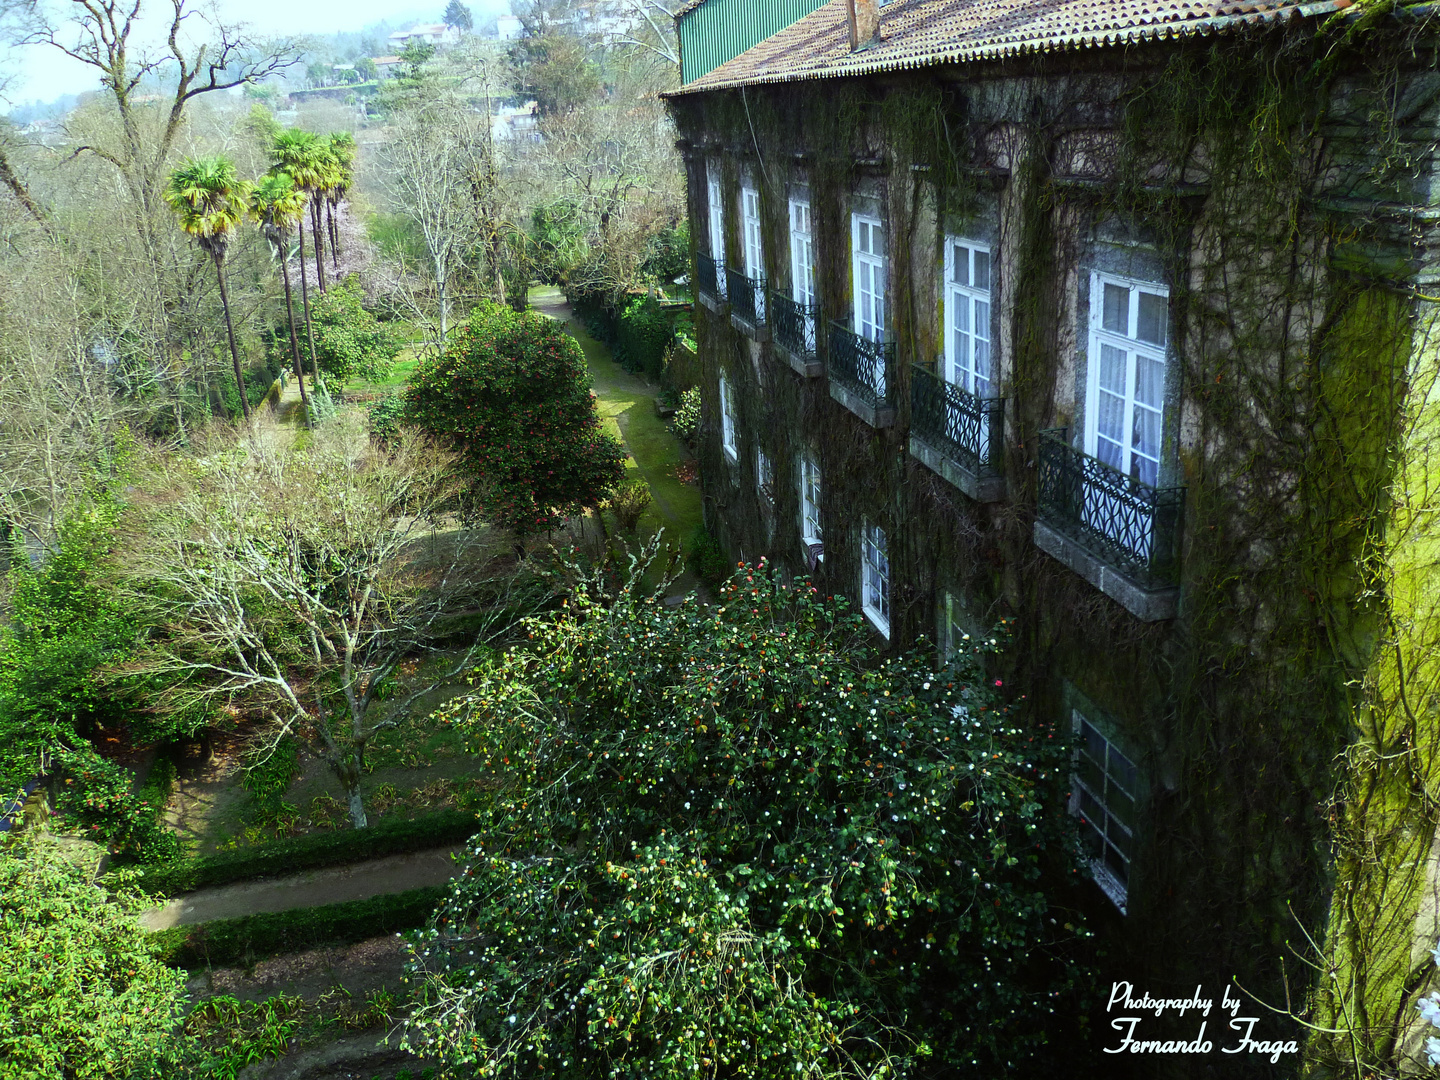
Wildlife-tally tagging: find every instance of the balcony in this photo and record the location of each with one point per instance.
(1119, 534)
(747, 303)
(793, 326)
(859, 375)
(710, 281)
(957, 434)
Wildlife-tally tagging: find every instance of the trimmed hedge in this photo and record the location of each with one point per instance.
(308, 852)
(251, 937)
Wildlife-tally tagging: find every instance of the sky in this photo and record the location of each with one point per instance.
(40, 72)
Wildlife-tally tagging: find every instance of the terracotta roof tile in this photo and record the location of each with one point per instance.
(914, 33)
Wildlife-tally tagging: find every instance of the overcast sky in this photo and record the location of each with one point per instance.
(43, 73)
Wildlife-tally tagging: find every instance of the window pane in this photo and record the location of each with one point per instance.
(982, 366)
(982, 319)
(1117, 309)
(1110, 424)
(1122, 806)
(1149, 380)
(1092, 810)
(1112, 369)
(960, 268)
(961, 303)
(1122, 771)
(1148, 473)
(982, 270)
(1117, 866)
(1154, 314)
(1090, 774)
(1094, 742)
(1145, 436)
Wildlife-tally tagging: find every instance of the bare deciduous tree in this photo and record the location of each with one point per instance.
(294, 583)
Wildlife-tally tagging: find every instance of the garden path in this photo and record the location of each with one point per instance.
(627, 404)
(310, 888)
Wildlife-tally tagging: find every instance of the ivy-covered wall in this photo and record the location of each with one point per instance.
(1282, 184)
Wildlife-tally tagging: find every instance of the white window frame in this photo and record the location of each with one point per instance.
(750, 221)
(802, 253)
(1109, 828)
(727, 421)
(810, 529)
(764, 475)
(717, 232)
(965, 298)
(866, 268)
(1128, 458)
(875, 576)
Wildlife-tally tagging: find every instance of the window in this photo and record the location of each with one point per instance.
(1105, 788)
(750, 217)
(809, 501)
(764, 476)
(1129, 324)
(717, 233)
(967, 303)
(727, 419)
(875, 577)
(802, 254)
(868, 253)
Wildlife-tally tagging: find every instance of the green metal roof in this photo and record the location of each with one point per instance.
(714, 31)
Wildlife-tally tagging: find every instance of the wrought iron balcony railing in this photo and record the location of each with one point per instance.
(1130, 525)
(747, 296)
(967, 429)
(861, 365)
(709, 276)
(793, 324)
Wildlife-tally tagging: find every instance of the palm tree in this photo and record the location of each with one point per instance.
(277, 205)
(304, 157)
(210, 200)
(342, 147)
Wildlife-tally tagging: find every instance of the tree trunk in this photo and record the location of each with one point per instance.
(347, 771)
(21, 192)
(305, 303)
(319, 244)
(230, 330)
(357, 807)
(294, 341)
(334, 236)
(440, 292)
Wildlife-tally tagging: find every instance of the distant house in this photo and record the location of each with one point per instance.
(429, 33)
(387, 66)
(508, 28)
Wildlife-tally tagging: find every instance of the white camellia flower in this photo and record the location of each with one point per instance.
(1435, 952)
(1432, 1050)
(1430, 1008)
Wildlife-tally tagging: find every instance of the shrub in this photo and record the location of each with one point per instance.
(642, 336)
(740, 835)
(511, 393)
(84, 995)
(308, 852)
(705, 558)
(349, 341)
(629, 504)
(250, 937)
(385, 415)
(686, 421)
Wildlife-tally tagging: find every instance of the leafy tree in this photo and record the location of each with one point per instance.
(66, 625)
(731, 841)
(415, 55)
(84, 994)
(555, 69)
(511, 393)
(365, 67)
(458, 16)
(349, 341)
(209, 199)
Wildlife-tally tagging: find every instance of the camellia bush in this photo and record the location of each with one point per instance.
(512, 395)
(84, 994)
(730, 841)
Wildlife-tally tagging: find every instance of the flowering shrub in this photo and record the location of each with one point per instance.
(728, 841)
(511, 393)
